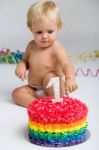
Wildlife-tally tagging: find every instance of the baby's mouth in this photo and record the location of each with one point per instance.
(45, 41)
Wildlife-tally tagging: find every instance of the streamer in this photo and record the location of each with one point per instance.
(88, 72)
(8, 57)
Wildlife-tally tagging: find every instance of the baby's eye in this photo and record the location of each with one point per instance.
(50, 31)
(39, 32)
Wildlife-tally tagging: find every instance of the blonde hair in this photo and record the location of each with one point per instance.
(44, 9)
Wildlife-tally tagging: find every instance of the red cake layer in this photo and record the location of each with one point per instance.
(44, 110)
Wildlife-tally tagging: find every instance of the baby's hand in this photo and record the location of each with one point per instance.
(70, 85)
(21, 71)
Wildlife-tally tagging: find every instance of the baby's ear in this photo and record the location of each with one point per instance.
(30, 29)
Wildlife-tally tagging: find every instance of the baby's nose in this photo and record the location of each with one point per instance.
(44, 35)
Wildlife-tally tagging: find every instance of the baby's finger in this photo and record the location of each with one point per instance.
(25, 75)
(71, 89)
(74, 88)
(22, 77)
(67, 91)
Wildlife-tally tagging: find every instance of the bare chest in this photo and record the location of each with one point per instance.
(41, 60)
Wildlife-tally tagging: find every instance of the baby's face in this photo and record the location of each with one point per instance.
(44, 32)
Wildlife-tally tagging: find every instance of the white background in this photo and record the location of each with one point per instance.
(80, 33)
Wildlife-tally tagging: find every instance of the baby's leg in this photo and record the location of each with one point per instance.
(49, 90)
(23, 95)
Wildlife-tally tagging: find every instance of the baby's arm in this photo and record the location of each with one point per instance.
(22, 66)
(67, 67)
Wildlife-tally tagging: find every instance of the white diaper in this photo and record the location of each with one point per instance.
(54, 81)
(39, 90)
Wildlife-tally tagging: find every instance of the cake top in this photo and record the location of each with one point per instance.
(69, 110)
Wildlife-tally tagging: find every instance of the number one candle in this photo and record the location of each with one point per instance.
(56, 87)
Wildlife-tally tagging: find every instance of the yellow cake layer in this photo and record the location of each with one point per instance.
(60, 127)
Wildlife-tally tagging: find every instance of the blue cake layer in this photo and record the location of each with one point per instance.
(60, 142)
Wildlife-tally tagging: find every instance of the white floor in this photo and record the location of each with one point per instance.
(13, 118)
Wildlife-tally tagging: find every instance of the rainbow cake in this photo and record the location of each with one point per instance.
(57, 124)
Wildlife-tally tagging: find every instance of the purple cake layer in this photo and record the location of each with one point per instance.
(61, 144)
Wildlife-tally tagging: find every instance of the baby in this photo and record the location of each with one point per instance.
(44, 58)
